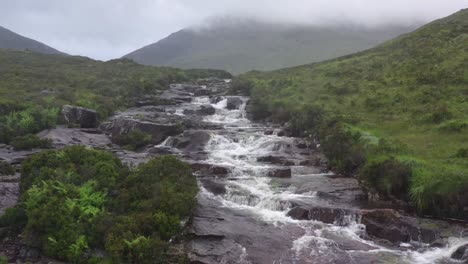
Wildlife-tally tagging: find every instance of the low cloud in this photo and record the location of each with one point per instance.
(106, 29)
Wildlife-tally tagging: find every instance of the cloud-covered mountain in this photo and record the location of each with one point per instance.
(242, 46)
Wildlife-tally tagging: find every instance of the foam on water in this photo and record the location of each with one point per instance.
(249, 190)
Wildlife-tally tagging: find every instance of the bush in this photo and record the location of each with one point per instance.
(134, 140)
(29, 142)
(454, 126)
(6, 168)
(78, 199)
(462, 153)
(343, 148)
(388, 176)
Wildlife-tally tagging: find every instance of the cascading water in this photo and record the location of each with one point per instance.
(250, 218)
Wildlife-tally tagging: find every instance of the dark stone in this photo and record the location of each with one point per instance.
(158, 131)
(280, 173)
(276, 160)
(301, 146)
(461, 254)
(269, 132)
(191, 141)
(86, 118)
(205, 169)
(214, 187)
(216, 170)
(233, 103)
(206, 110)
(216, 99)
(326, 215)
(390, 225)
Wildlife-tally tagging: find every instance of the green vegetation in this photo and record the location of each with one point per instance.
(242, 46)
(33, 87)
(78, 200)
(133, 140)
(6, 168)
(395, 115)
(29, 142)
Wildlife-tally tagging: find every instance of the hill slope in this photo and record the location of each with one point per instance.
(11, 40)
(395, 115)
(242, 46)
(34, 86)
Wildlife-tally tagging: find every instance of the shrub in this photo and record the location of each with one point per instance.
(29, 142)
(134, 140)
(79, 199)
(14, 217)
(462, 153)
(440, 113)
(6, 168)
(343, 148)
(454, 126)
(388, 176)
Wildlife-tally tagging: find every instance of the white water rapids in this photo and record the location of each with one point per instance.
(251, 193)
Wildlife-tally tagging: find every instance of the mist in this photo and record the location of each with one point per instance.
(107, 29)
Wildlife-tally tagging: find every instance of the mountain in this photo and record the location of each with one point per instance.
(242, 46)
(11, 40)
(395, 115)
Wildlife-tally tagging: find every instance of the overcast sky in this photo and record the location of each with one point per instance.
(106, 29)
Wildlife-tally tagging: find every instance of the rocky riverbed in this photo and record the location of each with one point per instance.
(265, 197)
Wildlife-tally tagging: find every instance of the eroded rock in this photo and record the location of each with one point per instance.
(280, 173)
(86, 118)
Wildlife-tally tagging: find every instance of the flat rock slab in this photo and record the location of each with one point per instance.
(62, 137)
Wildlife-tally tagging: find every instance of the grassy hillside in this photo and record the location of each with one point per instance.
(11, 40)
(395, 115)
(242, 46)
(34, 86)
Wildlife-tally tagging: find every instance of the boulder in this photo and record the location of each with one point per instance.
(216, 99)
(202, 111)
(390, 225)
(206, 169)
(214, 187)
(158, 131)
(277, 160)
(191, 140)
(233, 103)
(86, 118)
(461, 254)
(328, 215)
(280, 173)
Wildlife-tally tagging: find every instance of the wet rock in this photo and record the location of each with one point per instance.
(233, 103)
(280, 173)
(216, 99)
(268, 132)
(62, 136)
(158, 131)
(461, 254)
(214, 187)
(204, 110)
(276, 160)
(390, 225)
(301, 146)
(207, 110)
(190, 140)
(344, 242)
(326, 215)
(205, 169)
(86, 118)
(217, 170)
